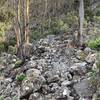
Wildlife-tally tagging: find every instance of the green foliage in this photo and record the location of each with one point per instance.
(1, 98)
(3, 27)
(20, 77)
(6, 15)
(36, 34)
(56, 27)
(93, 73)
(18, 63)
(94, 44)
(12, 41)
(97, 11)
(97, 19)
(71, 19)
(1, 47)
(12, 49)
(15, 98)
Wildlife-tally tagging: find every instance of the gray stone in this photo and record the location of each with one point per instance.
(33, 73)
(31, 64)
(54, 78)
(87, 50)
(83, 89)
(54, 87)
(91, 58)
(36, 96)
(66, 83)
(79, 68)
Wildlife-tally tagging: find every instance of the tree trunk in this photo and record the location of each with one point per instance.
(26, 14)
(22, 28)
(81, 21)
(16, 22)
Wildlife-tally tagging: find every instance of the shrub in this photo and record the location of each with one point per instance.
(1, 47)
(94, 44)
(12, 41)
(15, 98)
(20, 77)
(71, 19)
(18, 63)
(1, 98)
(12, 50)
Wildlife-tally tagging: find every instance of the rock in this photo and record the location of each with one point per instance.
(87, 50)
(41, 62)
(2, 67)
(7, 98)
(54, 72)
(66, 92)
(36, 96)
(33, 73)
(14, 60)
(62, 94)
(81, 55)
(31, 64)
(66, 83)
(79, 68)
(8, 80)
(45, 89)
(34, 81)
(66, 76)
(54, 87)
(55, 78)
(94, 97)
(7, 88)
(50, 39)
(91, 58)
(83, 89)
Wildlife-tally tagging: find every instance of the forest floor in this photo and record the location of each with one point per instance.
(54, 72)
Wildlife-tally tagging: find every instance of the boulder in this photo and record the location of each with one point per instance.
(83, 89)
(91, 58)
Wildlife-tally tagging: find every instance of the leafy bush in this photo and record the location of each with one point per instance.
(4, 26)
(15, 98)
(97, 19)
(1, 47)
(94, 44)
(1, 98)
(18, 63)
(20, 77)
(71, 19)
(97, 11)
(57, 26)
(12, 41)
(12, 50)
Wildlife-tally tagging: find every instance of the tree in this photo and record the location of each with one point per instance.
(21, 27)
(81, 21)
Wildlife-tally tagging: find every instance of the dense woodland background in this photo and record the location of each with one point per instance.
(48, 17)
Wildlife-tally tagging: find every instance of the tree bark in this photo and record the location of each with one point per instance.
(81, 21)
(26, 14)
(16, 22)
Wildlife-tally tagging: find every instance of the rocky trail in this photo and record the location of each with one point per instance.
(54, 72)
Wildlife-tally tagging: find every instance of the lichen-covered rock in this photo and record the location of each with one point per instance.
(91, 58)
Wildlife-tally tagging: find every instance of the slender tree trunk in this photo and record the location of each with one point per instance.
(26, 14)
(16, 21)
(81, 21)
(22, 28)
